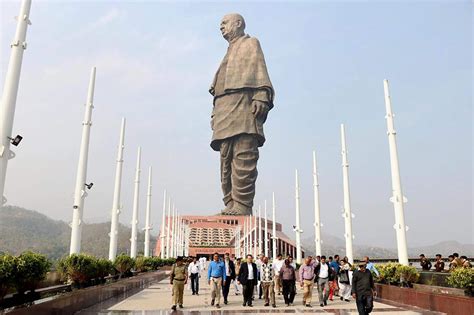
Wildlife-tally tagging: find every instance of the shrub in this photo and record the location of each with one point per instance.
(395, 273)
(407, 275)
(462, 278)
(30, 269)
(78, 268)
(124, 264)
(104, 268)
(7, 270)
(142, 264)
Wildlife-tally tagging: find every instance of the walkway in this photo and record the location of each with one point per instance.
(156, 300)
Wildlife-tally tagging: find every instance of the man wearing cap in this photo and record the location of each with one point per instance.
(178, 278)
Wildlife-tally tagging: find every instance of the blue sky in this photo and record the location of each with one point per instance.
(327, 60)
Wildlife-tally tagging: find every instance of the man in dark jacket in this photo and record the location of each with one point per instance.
(425, 263)
(248, 279)
(230, 276)
(363, 290)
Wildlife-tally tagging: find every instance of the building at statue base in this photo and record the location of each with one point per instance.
(210, 234)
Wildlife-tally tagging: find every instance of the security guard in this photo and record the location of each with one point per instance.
(178, 278)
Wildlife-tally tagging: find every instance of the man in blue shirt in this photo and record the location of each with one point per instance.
(216, 277)
(370, 266)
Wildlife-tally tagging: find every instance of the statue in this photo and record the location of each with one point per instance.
(243, 95)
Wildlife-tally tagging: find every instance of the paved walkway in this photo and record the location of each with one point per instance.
(156, 299)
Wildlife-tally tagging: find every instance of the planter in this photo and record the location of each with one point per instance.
(440, 290)
(425, 298)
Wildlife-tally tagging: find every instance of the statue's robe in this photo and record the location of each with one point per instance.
(241, 78)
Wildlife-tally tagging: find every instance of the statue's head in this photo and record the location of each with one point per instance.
(232, 26)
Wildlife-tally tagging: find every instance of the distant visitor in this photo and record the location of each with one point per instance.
(243, 96)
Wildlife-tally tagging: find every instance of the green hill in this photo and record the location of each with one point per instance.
(22, 229)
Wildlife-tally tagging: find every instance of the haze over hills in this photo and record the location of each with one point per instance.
(334, 245)
(22, 229)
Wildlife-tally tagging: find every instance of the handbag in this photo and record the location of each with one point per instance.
(344, 277)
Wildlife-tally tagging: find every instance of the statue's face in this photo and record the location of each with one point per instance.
(230, 26)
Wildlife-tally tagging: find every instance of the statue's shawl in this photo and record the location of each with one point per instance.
(246, 68)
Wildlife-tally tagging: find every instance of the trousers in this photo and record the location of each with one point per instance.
(195, 282)
(238, 157)
(269, 292)
(323, 285)
(307, 291)
(365, 304)
(226, 288)
(289, 291)
(247, 291)
(178, 290)
(216, 284)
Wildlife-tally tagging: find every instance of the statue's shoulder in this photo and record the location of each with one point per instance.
(251, 40)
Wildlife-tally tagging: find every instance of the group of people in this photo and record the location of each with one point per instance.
(455, 261)
(265, 279)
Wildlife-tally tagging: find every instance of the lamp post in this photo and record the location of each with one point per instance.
(148, 228)
(274, 236)
(347, 198)
(162, 232)
(10, 92)
(136, 196)
(297, 229)
(116, 206)
(80, 191)
(317, 213)
(397, 193)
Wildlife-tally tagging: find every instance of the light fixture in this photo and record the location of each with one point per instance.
(89, 186)
(16, 141)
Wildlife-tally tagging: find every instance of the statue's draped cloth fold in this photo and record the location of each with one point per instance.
(241, 79)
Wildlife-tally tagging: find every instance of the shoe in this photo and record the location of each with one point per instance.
(287, 304)
(194, 293)
(218, 306)
(212, 303)
(322, 305)
(173, 307)
(342, 298)
(250, 305)
(331, 300)
(279, 293)
(181, 306)
(347, 300)
(225, 302)
(244, 305)
(267, 304)
(308, 305)
(325, 303)
(274, 305)
(236, 293)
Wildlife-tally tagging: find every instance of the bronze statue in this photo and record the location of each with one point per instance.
(243, 95)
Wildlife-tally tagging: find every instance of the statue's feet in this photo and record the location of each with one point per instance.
(237, 209)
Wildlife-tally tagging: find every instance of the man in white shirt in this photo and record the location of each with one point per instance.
(194, 269)
(277, 264)
(259, 263)
(323, 271)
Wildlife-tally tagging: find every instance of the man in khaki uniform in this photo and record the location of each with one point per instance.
(178, 279)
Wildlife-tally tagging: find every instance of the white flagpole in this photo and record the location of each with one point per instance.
(317, 212)
(347, 198)
(136, 196)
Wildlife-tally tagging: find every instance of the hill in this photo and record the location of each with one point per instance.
(22, 229)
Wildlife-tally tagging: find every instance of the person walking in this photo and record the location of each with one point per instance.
(248, 279)
(238, 262)
(259, 282)
(306, 274)
(288, 279)
(333, 285)
(363, 290)
(194, 270)
(323, 272)
(229, 275)
(344, 280)
(267, 273)
(277, 264)
(178, 279)
(216, 276)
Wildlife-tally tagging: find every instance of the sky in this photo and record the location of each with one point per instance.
(327, 61)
